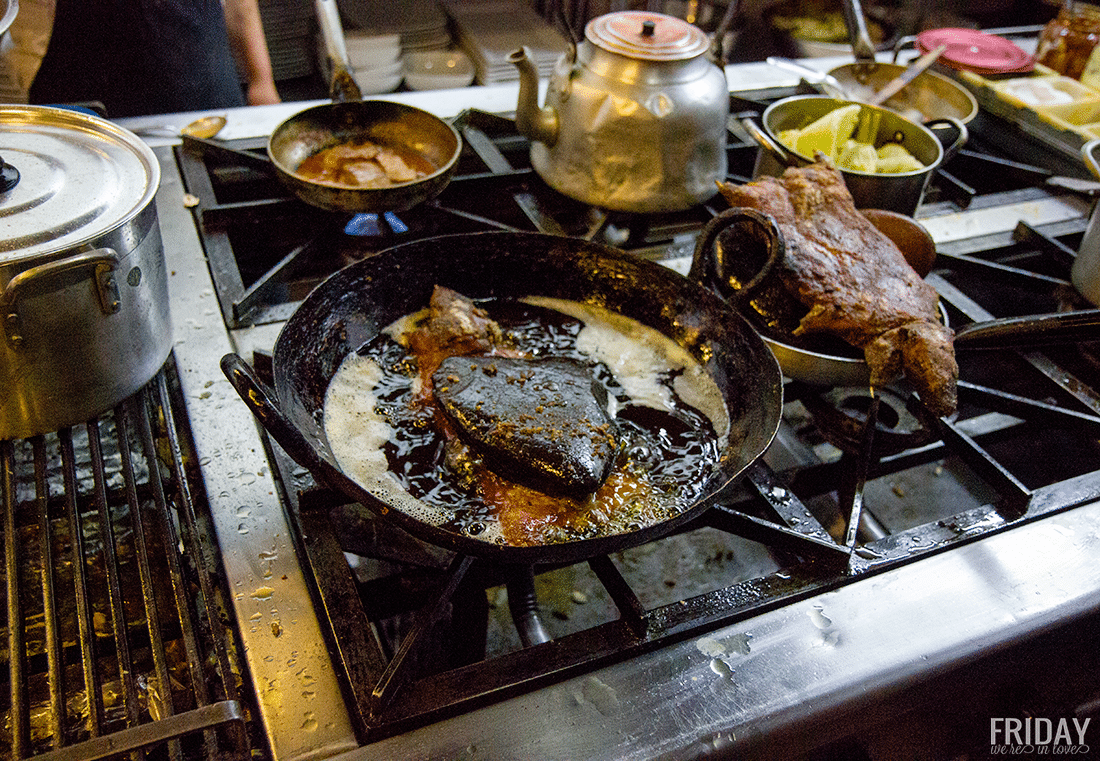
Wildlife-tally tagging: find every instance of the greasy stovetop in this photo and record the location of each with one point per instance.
(757, 669)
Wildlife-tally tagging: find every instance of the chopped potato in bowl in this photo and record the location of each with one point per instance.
(846, 136)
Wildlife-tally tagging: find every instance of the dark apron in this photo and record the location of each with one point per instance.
(139, 57)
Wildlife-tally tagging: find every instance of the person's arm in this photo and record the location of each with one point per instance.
(246, 38)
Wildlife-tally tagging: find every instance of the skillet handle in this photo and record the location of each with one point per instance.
(1036, 330)
(735, 269)
(261, 400)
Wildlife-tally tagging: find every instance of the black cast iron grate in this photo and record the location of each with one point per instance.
(116, 625)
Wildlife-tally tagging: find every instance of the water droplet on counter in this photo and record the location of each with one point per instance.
(721, 668)
(263, 593)
(819, 619)
(242, 529)
(310, 723)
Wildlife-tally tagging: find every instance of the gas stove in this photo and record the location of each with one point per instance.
(828, 597)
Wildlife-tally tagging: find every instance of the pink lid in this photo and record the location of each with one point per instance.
(972, 50)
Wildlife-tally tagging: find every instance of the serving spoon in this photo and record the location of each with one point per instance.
(203, 128)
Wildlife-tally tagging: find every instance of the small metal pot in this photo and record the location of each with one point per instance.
(83, 286)
(894, 192)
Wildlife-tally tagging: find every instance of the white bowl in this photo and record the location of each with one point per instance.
(378, 80)
(366, 52)
(438, 69)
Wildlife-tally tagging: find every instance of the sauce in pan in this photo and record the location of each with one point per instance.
(669, 412)
(363, 164)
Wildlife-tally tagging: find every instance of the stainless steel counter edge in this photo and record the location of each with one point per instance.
(824, 659)
(260, 121)
(285, 652)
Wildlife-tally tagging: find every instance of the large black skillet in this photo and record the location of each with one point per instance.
(353, 305)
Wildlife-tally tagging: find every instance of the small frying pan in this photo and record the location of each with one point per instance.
(737, 255)
(353, 306)
(405, 129)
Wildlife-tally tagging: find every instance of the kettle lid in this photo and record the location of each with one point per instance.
(647, 35)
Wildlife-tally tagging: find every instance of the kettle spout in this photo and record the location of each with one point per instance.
(533, 122)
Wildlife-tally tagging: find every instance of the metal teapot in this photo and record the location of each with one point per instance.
(635, 116)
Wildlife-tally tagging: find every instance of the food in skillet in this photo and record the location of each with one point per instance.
(363, 165)
(854, 281)
(455, 404)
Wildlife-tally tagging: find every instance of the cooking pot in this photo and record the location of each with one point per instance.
(351, 307)
(901, 192)
(928, 97)
(83, 287)
(739, 250)
(1085, 273)
(406, 129)
(635, 116)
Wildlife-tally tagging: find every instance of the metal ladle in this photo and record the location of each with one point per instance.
(204, 129)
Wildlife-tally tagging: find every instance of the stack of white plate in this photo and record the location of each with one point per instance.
(491, 29)
(374, 61)
(420, 24)
(288, 29)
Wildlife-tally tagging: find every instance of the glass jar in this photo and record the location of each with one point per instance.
(1068, 39)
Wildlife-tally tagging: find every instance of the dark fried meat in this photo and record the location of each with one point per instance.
(854, 281)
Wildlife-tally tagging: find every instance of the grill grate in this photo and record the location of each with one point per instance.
(117, 644)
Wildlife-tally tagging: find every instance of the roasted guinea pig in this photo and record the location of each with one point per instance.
(854, 282)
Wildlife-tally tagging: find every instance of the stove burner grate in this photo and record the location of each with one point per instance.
(114, 618)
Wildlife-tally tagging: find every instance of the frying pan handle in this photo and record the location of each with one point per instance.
(261, 400)
(1036, 330)
(759, 240)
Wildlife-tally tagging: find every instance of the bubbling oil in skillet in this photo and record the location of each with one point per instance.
(669, 446)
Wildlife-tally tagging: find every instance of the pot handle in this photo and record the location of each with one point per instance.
(98, 266)
(1088, 153)
(765, 141)
(710, 265)
(1035, 330)
(962, 134)
(263, 403)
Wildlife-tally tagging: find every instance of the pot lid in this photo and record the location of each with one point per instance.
(67, 178)
(972, 50)
(646, 35)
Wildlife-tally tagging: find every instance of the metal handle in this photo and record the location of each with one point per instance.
(862, 46)
(263, 403)
(343, 86)
(961, 136)
(726, 270)
(765, 141)
(1088, 153)
(1036, 330)
(99, 266)
(827, 83)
